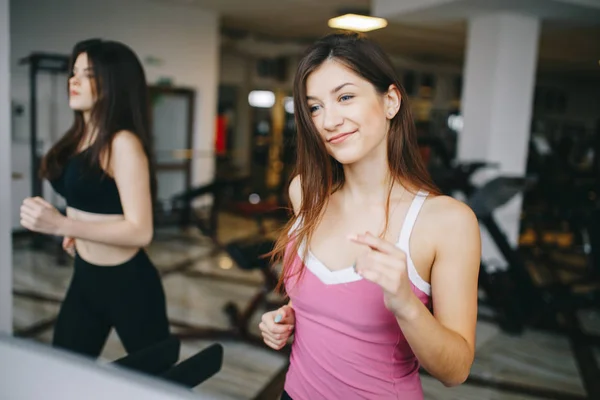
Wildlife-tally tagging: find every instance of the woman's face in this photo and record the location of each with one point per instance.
(349, 114)
(82, 94)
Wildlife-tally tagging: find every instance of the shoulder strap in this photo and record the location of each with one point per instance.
(410, 219)
(295, 226)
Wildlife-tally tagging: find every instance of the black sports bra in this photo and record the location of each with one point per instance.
(87, 188)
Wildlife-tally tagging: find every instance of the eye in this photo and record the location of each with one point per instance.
(313, 108)
(346, 97)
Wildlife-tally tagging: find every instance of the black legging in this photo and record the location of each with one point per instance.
(285, 396)
(128, 297)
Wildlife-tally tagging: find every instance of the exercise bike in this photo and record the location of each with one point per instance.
(248, 253)
(522, 304)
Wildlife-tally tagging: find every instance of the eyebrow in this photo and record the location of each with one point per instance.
(335, 90)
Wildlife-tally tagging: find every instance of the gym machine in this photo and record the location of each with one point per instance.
(518, 301)
(160, 360)
(248, 253)
(39, 62)
(54, 64)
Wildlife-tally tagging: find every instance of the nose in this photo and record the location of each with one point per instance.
(73, 81)
(332, 119)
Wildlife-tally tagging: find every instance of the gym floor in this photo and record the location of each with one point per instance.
(198, 284)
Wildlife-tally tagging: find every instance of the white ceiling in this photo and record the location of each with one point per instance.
(572, 48)
(586, 11)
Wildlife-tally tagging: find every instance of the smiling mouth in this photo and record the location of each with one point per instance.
(340, 138)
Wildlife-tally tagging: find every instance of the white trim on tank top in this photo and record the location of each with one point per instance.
(348, 275)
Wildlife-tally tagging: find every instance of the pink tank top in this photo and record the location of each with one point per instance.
(347, 344)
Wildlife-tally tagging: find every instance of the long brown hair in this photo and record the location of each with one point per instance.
(122, 103)
(321, 174)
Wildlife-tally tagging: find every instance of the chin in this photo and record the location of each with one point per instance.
(347, 156)
(77, 107)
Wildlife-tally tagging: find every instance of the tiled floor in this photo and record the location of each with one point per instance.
(535, 359)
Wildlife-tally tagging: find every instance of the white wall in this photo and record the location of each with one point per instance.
(5, 175)
(183, 40)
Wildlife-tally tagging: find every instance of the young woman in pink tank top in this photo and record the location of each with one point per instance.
(381, 270)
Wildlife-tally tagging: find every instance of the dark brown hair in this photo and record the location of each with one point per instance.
(321, 174)
(119, 83)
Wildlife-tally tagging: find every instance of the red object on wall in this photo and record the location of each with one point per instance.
(221, 135)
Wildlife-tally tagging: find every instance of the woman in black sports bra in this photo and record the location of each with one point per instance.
(103, 169)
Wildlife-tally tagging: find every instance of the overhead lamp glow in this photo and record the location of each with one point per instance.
(288, 104)
(261, 99)
(356, 22)
(456, 122)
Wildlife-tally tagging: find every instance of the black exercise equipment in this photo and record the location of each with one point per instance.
(197, 368)
(511, 293)
(561, 218)
(179, 211)
(161, 358)
(498, 287)
(457, 177)
(518, 301)
(39, 62)
(437, 149)
(54, 64)
(153, 360)
(247, 253)
(449, 175)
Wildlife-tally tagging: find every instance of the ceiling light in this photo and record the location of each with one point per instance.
(288, 104)
(261, 99)
(357, 22)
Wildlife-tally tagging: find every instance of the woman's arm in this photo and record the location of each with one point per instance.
(295, 193)
(444, 342)
(130, 169)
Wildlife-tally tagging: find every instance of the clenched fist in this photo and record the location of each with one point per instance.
(277, 326)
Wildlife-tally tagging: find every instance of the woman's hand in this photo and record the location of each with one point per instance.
(277, 326)
(68, 245)
(385, 265)
(40, 216)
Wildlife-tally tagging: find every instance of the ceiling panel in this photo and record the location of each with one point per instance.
(569, 47)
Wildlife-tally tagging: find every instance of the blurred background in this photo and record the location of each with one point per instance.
(506, 97)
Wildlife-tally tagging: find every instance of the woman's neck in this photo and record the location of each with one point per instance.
(89, 136)
(368, 181)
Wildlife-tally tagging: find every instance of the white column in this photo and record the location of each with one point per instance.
(5, 174)
(498, 87)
